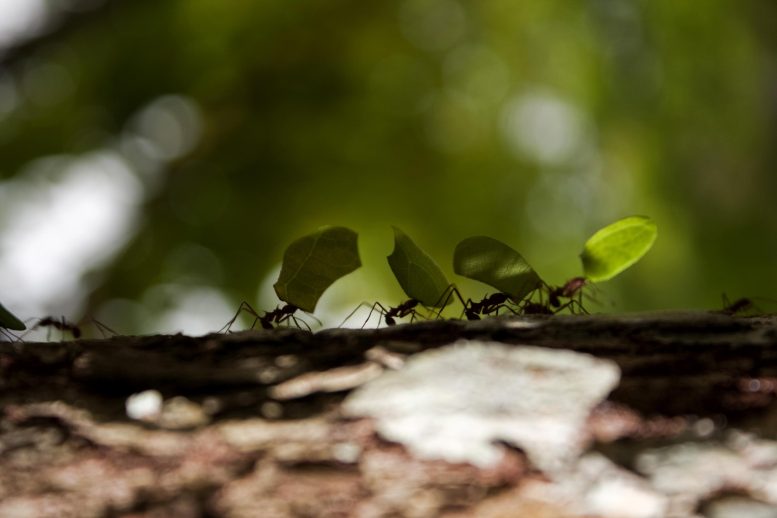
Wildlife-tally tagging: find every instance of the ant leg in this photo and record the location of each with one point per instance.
(244, 306)
(361, 305)
(575, 308)
(102, 328)
(496, 309)
(9, 335)
(346, 319)
(311, 315)
(63, 327)
(289, 317)
(445, 298)
(380, 308)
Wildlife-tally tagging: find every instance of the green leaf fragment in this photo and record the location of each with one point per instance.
(9, 321)
(313, 263)
(494, 263)
(418, 274)
(617, 246)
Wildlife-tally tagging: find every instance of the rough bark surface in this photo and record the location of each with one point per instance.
(252, 424)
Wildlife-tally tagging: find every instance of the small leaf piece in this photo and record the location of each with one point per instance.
(9, 321)
(492, 262)
(418, 274)
(617, 246)
(313, 263)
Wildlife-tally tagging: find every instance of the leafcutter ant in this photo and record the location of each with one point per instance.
(488, 305)
(738, 306)
(744, 305)
(269, 319)
(60, 324)
(390, 314)
(473, 310)
(401, 311)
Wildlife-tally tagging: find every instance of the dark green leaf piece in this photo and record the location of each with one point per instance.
(312, 263)
(418, 274)
(617, 246)
(492, 262)
(9, 321)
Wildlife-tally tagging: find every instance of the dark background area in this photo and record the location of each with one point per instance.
(157, 157)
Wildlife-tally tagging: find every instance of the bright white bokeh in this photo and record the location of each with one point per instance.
(195, 310)
(63, 217)
(21, 19)
(543, 127)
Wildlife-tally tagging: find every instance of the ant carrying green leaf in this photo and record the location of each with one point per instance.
(310, 265)
(419, 276)
(607, 253)
(269, 319)
(496, 264)
(390, 314)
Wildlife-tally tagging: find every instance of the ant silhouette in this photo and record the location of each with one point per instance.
(390, 314)
(473, 310)
(490, 304)
(404, 309)
(60, 324)
(269, 319)
(744, 305)
(738, 306)
(65, 326)
(408, 307)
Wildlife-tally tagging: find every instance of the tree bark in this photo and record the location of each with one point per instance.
(254, 424)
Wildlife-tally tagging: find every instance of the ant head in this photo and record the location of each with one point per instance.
(390, 321)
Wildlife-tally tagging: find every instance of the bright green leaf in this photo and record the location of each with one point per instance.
(9, 321)
(418, 274)
(617, 246)
(494, 263)
(312, 263)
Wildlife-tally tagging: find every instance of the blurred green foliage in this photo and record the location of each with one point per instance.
(534, 122)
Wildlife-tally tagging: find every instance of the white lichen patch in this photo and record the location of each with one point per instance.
(144, 406)
(454, 403)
